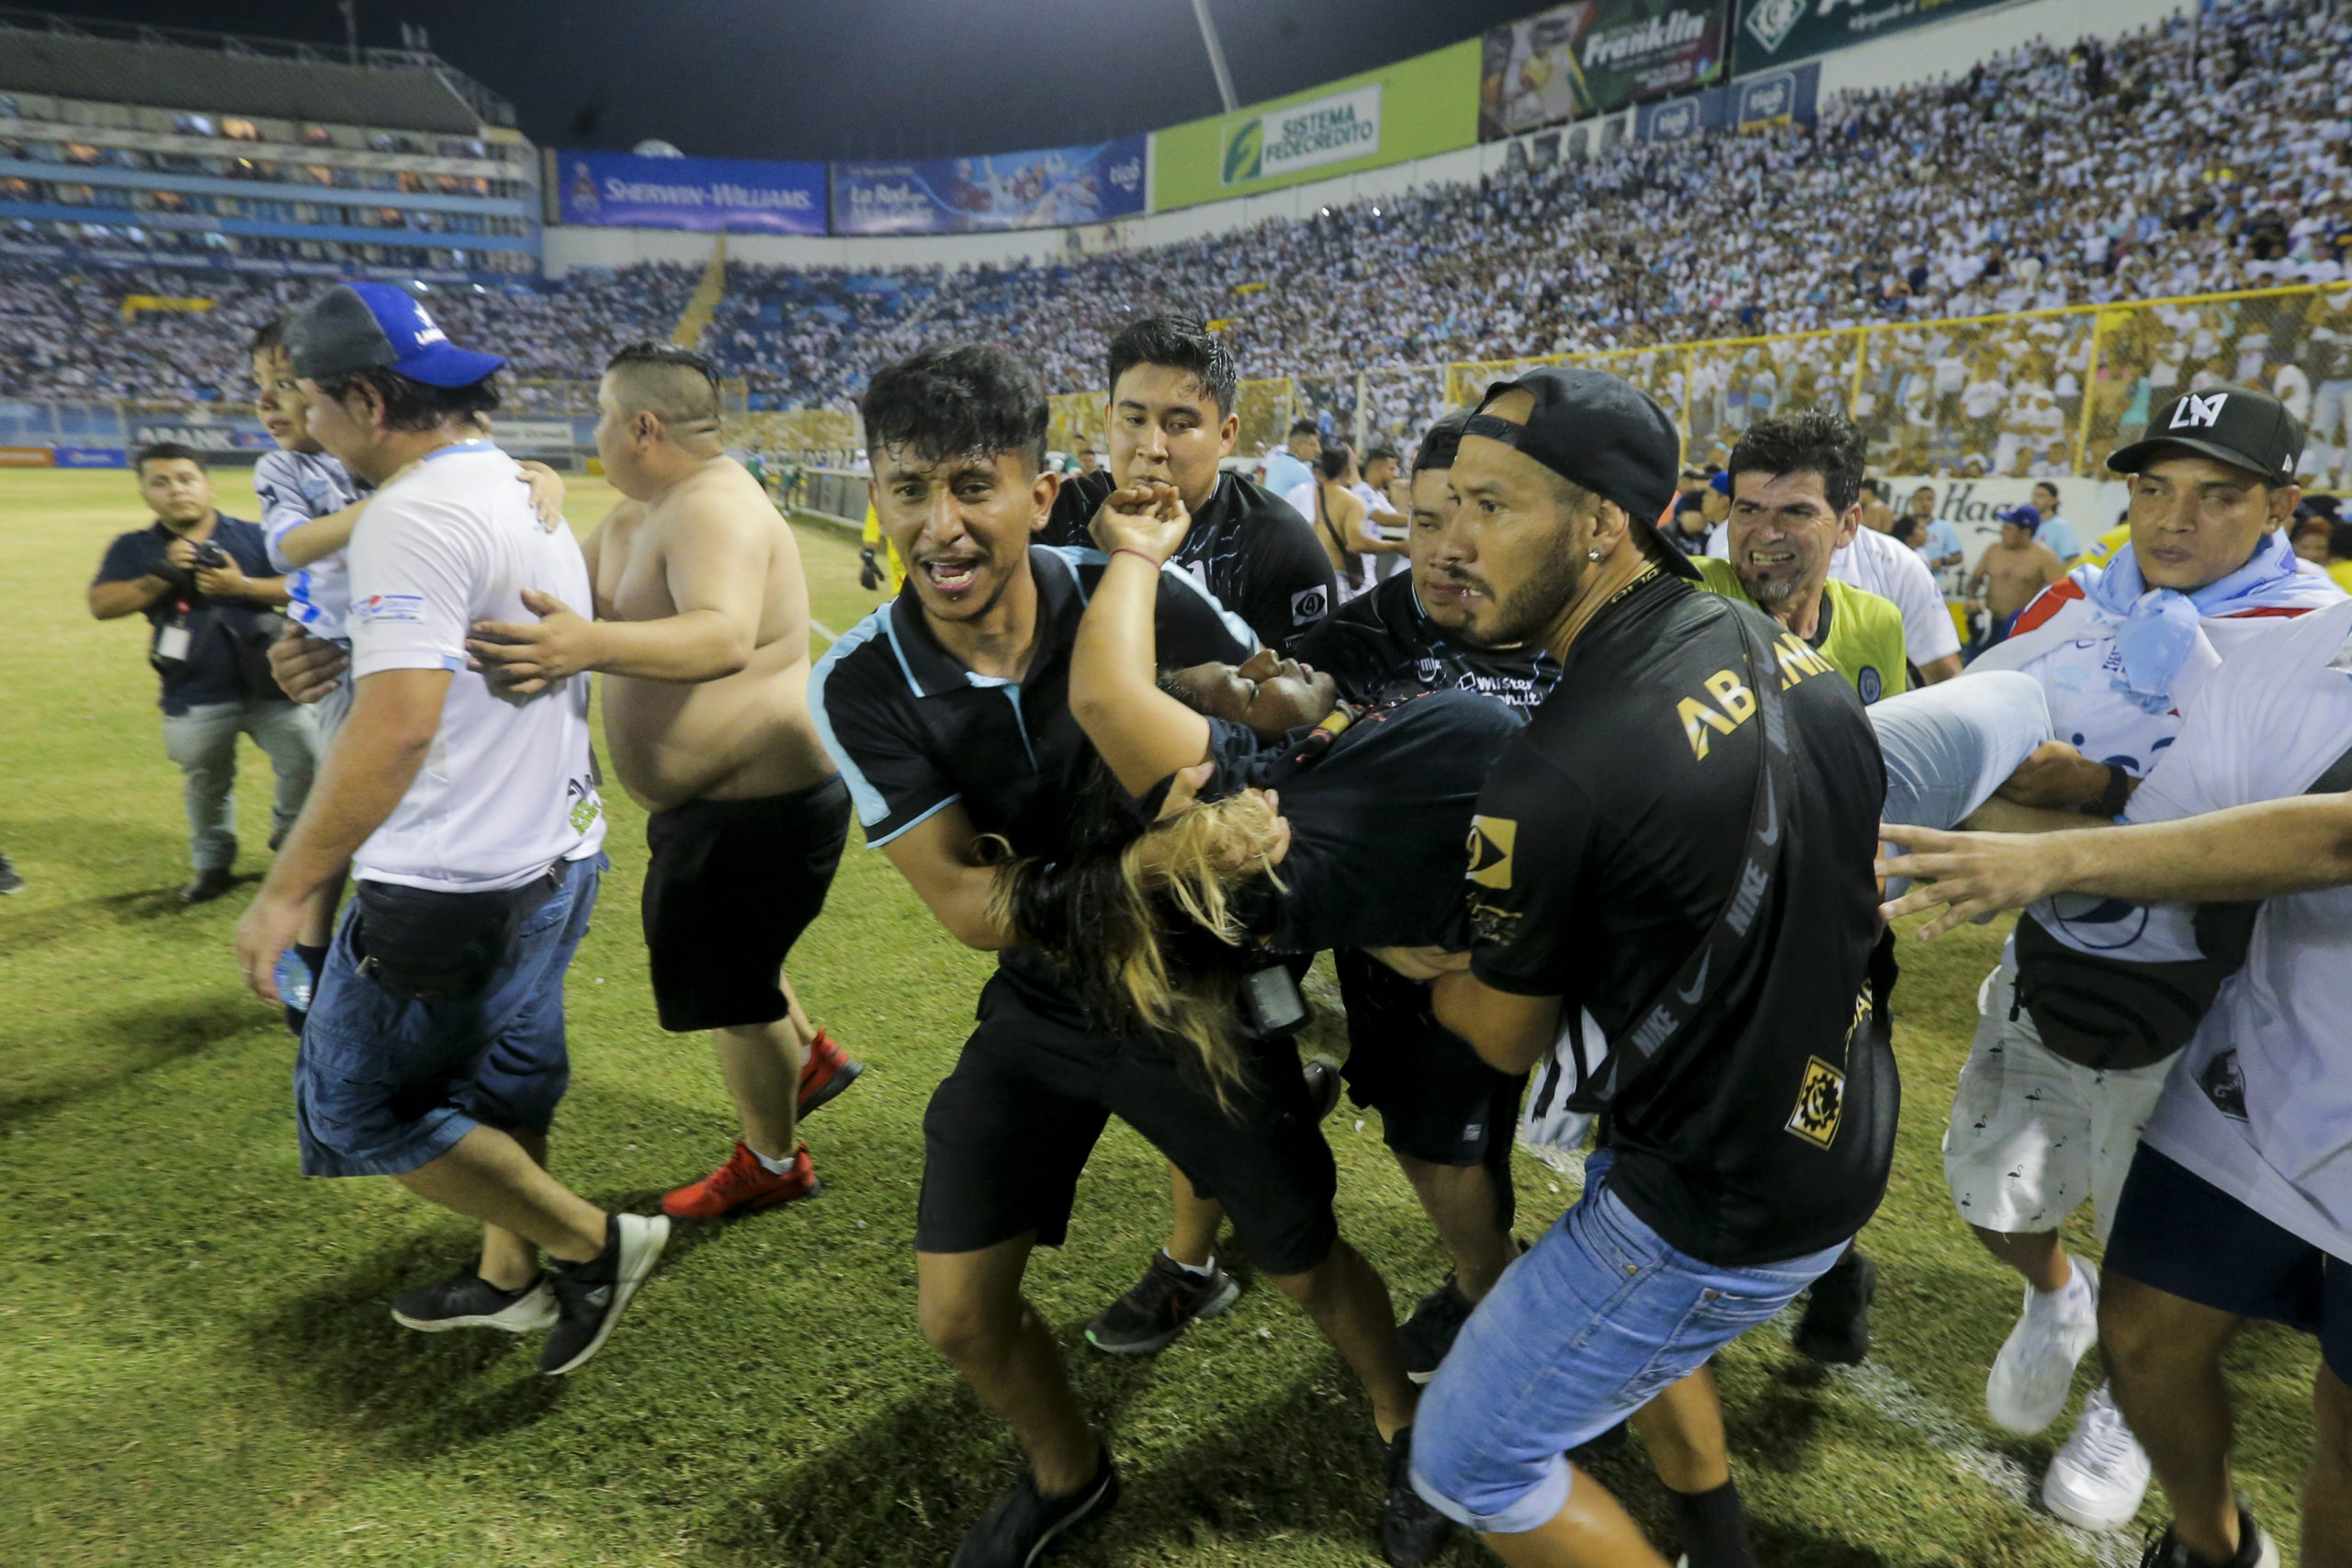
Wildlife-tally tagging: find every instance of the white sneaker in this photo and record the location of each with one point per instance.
(2035, 1370)
(2097, 1478)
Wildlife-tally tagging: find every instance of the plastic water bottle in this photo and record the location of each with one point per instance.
(294, 981)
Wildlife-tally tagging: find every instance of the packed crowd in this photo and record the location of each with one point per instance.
(2206, 156)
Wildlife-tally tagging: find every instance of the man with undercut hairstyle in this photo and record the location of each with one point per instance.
(702, 635)
(948, 711)
(1168, 418)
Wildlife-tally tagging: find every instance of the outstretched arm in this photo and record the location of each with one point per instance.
(1143, 734)
(2249, 851)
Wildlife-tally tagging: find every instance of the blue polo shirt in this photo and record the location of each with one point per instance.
(227, 658)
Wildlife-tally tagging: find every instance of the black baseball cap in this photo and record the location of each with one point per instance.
(2237, 425)
(1603, 433)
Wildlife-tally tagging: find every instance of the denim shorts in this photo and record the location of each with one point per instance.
(384, 1084)
(1592, 1323)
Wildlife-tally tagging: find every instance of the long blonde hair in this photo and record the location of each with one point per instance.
(1108, 913)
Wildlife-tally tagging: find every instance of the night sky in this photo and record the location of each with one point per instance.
(863, 78)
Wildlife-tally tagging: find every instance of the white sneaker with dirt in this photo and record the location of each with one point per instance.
(2035, 1370)
(2097, 1478)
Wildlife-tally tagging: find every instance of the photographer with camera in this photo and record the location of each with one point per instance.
(206, 586)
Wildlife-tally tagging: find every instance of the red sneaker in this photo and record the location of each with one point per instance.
(740, 1185)
(825, 1073)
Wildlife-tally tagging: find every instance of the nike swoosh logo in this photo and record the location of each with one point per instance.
(1771, 833)
(1699, 983)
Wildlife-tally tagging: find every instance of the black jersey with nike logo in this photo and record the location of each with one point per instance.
(1381, 647)
(1254, 554)
(1610, 834)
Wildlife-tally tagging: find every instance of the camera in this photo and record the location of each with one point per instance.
(212, 557)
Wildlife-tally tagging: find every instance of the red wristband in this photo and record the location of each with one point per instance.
(1131, 550)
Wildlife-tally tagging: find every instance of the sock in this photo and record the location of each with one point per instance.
(775, 1166)
(2076, 1287)
(1715, 1529)
(1205, 1271)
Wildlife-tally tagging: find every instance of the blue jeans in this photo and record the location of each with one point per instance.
(1595, 1320)
(384, 1083)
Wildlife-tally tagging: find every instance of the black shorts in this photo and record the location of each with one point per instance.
(1011, 1128)
(2179, 1231)
(731, 886)
(1438, 1100)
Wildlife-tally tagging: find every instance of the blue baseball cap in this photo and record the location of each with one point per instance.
(1721, 484)
(374, 326)
(2026, 517)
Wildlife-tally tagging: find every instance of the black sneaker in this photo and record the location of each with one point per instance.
(1024, 1521)
(466, 1300)
(2255, 1550)
(1411, 1532)
(209, 886)
(592, 1296)
(1835, 1328)
(1156, 1309)
(10, 880)
(1428, 1333)
(1323, 1085)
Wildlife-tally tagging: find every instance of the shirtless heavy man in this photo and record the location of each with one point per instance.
(2011, 572)
(702, 633)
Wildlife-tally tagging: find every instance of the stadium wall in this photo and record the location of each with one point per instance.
(1924, 55)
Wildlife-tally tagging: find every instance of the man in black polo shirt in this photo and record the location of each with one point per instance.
(1673, 863)
(204, 582)
(947, 710)
(1170, 417)
(1447, 1116)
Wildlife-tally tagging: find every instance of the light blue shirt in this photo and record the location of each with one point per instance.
(1943, 542)
(2058, 535)
(1285, 473)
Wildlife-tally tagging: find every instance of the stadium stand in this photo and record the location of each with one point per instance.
(1961, 264)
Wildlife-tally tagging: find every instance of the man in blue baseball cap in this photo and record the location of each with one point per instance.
(2011, 572)
(434, 1052)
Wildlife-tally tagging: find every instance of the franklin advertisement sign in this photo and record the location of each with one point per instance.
(1772, 32)
(1595, 56)
(1321, 131)
(621, 190)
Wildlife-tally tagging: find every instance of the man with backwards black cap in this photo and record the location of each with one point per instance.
(433, 1053)
(1674, 861)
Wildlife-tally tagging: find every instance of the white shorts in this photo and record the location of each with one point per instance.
(2033, 1135)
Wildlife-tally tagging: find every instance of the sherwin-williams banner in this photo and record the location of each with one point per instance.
(1410, 109)
(1595, 56)
(1772, 32)
(1050, 188)
(623, 191)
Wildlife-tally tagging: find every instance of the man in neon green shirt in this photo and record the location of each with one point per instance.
(1796, 496)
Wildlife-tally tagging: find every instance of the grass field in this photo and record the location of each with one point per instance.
(196, 1366)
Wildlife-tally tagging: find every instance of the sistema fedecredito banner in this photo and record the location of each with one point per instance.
(1596, 56)
(1048, 188)
(738, 195)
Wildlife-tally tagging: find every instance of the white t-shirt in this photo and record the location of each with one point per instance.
(1876, 563)
(296, 488)
(509, 787)
(2260, 1102)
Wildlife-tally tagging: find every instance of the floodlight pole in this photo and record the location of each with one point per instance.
(1216, 55)
(350, 9)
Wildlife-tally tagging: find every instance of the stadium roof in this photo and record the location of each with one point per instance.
(221, 73)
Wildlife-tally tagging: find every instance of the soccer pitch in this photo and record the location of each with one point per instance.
(197, 1365)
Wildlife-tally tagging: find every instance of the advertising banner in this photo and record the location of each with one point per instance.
(216, 438)
(621, 190)
(1774, 32)
(532, 434)
(92, 458)
(1595, 56)
(1411, 109)
(2093, 506)
(1777, 97)
(1052, 187)
(26, 457)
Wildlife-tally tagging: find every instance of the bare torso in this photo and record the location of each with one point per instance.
(2013, 577)
(740, 737)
